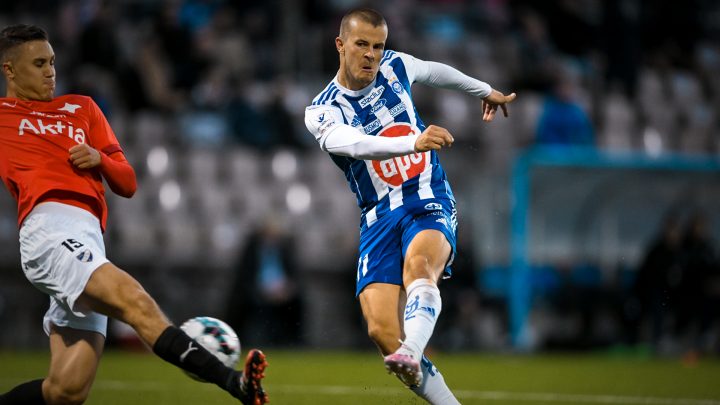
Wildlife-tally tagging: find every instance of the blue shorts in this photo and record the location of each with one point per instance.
(384, 243)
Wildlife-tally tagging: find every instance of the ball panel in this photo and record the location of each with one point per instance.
(216, 336)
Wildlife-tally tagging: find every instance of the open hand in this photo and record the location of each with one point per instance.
(491, 103)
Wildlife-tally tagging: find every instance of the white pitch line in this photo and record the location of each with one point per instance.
(503, 395)
(118, 385)
(580, 398)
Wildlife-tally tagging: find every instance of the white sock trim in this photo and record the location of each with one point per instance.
(419, 283)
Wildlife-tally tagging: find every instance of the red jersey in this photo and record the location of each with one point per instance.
(35, 165)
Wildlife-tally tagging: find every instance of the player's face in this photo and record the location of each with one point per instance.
(360, 54)
(31, 72)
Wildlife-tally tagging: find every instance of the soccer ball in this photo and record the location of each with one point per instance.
(216, 336)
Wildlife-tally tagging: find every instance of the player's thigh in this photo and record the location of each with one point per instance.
(382, 305)
(74, 358)
(113, 292)
(427, 256)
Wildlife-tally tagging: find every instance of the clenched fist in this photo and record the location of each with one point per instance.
(83, 156)
(433, 138)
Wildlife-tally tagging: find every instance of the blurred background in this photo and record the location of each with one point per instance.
(589, 219)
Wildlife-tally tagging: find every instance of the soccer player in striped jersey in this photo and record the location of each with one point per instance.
(366, 120)
(54, 154)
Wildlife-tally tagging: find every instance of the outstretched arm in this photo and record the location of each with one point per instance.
(440, 75)
(447, 77)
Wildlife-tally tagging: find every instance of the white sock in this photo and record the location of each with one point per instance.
(433, 388)
(421, 311)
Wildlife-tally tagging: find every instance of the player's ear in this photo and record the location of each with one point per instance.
(7, 69)
(340, 45)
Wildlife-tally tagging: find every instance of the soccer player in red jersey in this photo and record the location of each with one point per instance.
(54, 154)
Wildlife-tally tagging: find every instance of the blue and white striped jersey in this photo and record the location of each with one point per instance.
(384, 108)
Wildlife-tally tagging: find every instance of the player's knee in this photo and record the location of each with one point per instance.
(65, 393)
(387, 339)
(417, 267)
(418, 264)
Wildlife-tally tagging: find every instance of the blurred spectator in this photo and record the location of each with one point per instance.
(622, 43)
(247, 123)
(656, 283)
(265, 297)
(97, 43)
(535, 53)
(573, 25)
(671, 31)
(563, 120)
(197, 14)
(699, 266)
(178, 49)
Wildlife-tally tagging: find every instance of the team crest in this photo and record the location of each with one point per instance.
(395, 171)
(433, 206)
(396, 87)
(85, 256)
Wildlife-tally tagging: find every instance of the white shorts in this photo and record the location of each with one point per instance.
(60, 247)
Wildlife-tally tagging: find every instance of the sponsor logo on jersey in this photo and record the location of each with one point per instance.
(395, 171)
(372, 126)
(442, 221)
(69, 108)
(40, 127)
(355, 122)
(370, 98)
(380, 104)
(6, 104)
(85, 256)
(321, 117)
(396, 87)
(433, 206)
(326, 126)
(398, 109)
(42, 114)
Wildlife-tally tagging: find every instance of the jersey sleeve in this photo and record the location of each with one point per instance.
(118, 173)
(101, 134)
(320, 120)
(410, 64)
(115, 169)
(443, 76)
(334, 136)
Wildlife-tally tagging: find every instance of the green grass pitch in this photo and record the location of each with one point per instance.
(308, 377)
